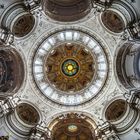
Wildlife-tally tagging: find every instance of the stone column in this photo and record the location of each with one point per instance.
(101, 4)
(6, 37)
(107, 131)
(40, 132)
(133, 98)
(8, 105)
(33, 5)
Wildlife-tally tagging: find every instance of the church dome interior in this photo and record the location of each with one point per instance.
(69, 10)
(23, 25)
(113, 21)
(74, 128)
(69, 69)
(27, 113)
(11, 71)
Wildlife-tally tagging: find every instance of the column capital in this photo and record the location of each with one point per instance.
(133, 98)
(107, 131)
(6, 37)
(33, 5)
(134, 31)
(40, 132)
(8, 105)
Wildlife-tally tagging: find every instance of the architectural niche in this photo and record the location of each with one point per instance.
(116, 110)
(20, 117)
(113, 21)
(27, 114)
(118, 16)
(121, 115)
(23, 25)
(69, 10)
(11, 71)
(18, 20)
(72, 126)
(127, 65)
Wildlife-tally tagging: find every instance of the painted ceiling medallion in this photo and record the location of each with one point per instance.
(70, 67)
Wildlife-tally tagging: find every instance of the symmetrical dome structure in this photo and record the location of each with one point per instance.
(65, 68)
(69, 70)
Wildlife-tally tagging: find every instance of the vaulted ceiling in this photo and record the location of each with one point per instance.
(69, 69)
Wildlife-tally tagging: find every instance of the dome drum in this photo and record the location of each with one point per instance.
(24, 118)
(18, 20)
(120, 111)
(23, 25)
(128, 56)
(116, 18)
(70, 65)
